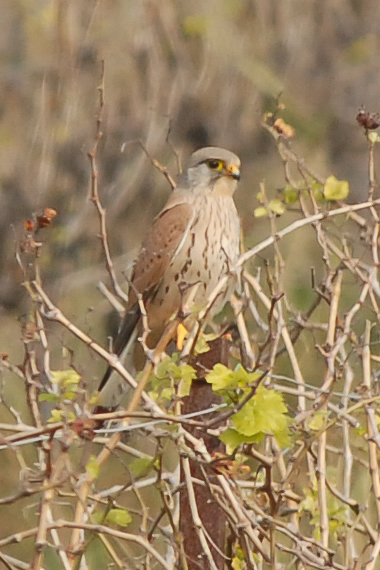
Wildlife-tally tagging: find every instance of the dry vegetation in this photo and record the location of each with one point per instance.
(298, 484)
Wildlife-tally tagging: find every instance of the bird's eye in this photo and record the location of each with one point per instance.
(216, 164)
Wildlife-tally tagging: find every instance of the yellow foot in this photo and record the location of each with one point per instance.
(181, 335)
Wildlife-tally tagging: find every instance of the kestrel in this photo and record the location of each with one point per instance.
(194, 241)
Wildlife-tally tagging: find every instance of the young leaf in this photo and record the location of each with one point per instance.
(56, 416)
(318, 420)
(93, 399)
(277, 207)
(184, 386)
(335, 189)
(238, 560)
(317, 190)
(260, 212)
(232, 439)
(92, 467)
(264, 413)
(202, 345)
(120, 517)
(70, 395)
(222, 378)
(373, 137)
(45, 397)
(141, 466)
(65, 377)
(291, 195)
(167, 393)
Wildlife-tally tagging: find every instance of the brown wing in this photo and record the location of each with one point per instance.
(155, 255)
(158, 249)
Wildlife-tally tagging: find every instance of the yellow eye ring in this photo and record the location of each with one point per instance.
(215, 164)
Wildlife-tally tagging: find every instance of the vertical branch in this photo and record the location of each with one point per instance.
(371, 422)
(212, 517)
(348, 458)
(330, 373)
(95, 194)
(371, 169)
(322, 489)
(196, 520)
(285, 336)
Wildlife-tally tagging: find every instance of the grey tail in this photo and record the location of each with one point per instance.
(127, 328)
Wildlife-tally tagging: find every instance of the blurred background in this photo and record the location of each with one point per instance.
(178, 75)
(204, 72)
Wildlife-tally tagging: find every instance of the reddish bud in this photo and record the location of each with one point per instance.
(50, 213)
(368, 120)
(284, 129)
(84, 428)
(29, 226)
(46, 219)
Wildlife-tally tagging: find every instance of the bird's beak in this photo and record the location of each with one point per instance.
(233, 171)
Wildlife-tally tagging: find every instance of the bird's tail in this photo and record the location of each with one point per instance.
(112, 386)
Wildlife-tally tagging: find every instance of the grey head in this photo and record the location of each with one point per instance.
(208, 165)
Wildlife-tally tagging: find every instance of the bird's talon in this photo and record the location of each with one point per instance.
(181, 335)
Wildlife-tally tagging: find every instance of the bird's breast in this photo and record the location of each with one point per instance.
(208, 252)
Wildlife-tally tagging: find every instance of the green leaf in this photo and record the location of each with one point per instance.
(185, 372)
(318, 421)
(264, 413)
(309, 504)
(222, 378)
(169, 369)
(141, 466)
(65, 377)
(335, 189)
(184, 386)
(260, 197)
(97, 517)
(243, 378)
(93, 399)
(277, 207)
(317, 190)
(291, 195)
(360, 430)
(69, 395)
(168, 373)
(56, 416)
(154, 395)
(238, 560)
(45, 397)
(167, 393)
(202, 345)
(232, 439)
(237, 564)
(92, 467)
(120, 517)
(260, 212)
(161, 370)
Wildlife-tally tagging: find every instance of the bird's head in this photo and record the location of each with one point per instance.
(212, 169)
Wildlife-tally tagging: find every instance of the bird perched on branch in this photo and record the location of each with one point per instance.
(193, 242)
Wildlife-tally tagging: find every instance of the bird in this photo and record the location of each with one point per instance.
(193, 241)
